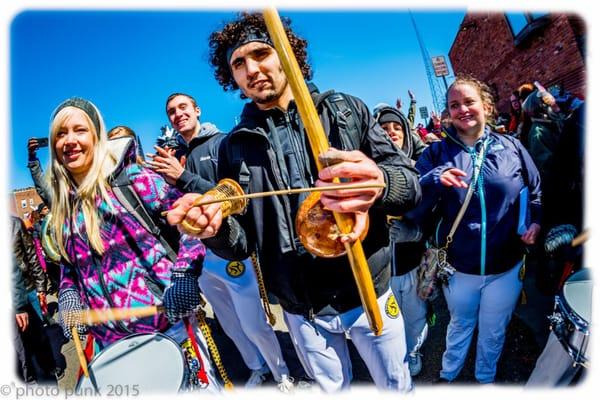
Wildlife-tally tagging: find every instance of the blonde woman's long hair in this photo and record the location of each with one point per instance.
(94, 184)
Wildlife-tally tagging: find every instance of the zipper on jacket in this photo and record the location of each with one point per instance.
(280, 185)
(481, 201)
(483, 224)
(276, 171)
(482, 205)
(479, 185)
(300, 151)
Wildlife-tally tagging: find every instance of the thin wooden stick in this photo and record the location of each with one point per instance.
(101, 316)
(79, 350)
(319, 145)
(583, 237)
(284, 192)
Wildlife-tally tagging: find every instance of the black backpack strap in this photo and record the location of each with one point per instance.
(344, 114)
(127, 196)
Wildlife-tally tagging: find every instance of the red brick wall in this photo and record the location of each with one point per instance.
(484, 47)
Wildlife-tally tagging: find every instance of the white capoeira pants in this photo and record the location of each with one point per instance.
(414, 309)
(231, 289)
(554, 367)
(322, 349)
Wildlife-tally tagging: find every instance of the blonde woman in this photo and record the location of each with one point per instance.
(107, 258)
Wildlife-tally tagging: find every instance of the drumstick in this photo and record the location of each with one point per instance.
(79, 350)
(199, 201)
(100, 316)
(583, 237)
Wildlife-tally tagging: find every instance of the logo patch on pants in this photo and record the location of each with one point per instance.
(235, 268)
(391, 307)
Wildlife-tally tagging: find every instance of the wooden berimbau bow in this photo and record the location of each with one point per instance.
(319, 144)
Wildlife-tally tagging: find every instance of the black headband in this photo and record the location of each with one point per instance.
(249, 35)
(85, 106)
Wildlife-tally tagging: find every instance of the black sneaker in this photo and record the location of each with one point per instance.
(441, 381)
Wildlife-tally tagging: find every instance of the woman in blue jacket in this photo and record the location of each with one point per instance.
(488, 247)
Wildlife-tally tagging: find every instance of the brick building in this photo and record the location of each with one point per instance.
(506, 50)
(23, 201)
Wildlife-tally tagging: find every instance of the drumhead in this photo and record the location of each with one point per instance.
(137, 364)
(577, 292)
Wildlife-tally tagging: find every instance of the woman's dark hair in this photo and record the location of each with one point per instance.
(234, 32)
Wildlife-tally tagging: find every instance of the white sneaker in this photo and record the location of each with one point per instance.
(414, 363)
(286, 385)
(257, 377)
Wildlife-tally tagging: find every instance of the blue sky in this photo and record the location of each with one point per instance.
(128, 62)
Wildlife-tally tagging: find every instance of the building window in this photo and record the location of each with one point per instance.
(31, 202)
(523, 25)
(516, 21)
(24, 203)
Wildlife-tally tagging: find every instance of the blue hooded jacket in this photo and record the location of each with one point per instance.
(486, 241)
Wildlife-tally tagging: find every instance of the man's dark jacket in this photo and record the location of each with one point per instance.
(267, 151)
(25, 257)
(200, 174)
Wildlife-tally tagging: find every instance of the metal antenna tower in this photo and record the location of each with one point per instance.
(437, 92)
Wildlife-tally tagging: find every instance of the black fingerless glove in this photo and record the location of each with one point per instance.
(182, 297)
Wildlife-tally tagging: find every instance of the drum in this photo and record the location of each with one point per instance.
(572, 314)
(136, 365)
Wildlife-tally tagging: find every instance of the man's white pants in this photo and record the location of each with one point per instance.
(236, 302)
(414, 309)
(322, 349)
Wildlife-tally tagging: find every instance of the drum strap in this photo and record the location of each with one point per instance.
(202, 377)
(261, 288)
(567, 269)
(88, 353)
(212, 347)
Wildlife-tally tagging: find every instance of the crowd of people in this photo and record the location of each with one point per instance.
(124, 231)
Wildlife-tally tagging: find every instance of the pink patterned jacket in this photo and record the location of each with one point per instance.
(134, 268)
